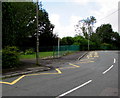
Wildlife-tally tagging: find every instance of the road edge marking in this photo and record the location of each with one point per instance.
(74, 89)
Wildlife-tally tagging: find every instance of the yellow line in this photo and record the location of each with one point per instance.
(74, 65)
(90, 55)
(91, 61)
(6, 83)
(96, 56)
(66, 67)
(15, 81)
(58, 71)
(85, 62)
(40, 74)
(86, 59)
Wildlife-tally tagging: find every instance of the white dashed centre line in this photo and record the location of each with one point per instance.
(114, 60)
(74, 89)
(108, 69)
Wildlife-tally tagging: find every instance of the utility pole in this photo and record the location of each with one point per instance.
(37, 42)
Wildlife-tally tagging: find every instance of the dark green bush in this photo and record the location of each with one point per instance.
(10, 57)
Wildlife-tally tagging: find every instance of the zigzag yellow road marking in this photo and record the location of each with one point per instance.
(58, 72)
(15, 81)
(57, 69)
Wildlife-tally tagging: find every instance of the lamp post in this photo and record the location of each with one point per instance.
(88, 40)
(58, 47)
(37, 42)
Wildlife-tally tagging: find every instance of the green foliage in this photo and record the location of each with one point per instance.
(105, 33)
(107, 37)
(79, 40)
(19, 25)
(16, 16)
(10, 57)
(67, 41)
(29, 51)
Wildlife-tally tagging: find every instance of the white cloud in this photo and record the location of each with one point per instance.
(104, 15)
(61, 30)
(107, 7)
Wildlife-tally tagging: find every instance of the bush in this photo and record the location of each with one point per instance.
(29, 51)
(10, 57)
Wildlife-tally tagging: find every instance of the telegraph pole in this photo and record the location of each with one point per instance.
(37, 42)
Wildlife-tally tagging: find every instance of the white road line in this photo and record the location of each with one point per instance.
(108, 69)
(114, 60)
(81, 56)
(74, 89)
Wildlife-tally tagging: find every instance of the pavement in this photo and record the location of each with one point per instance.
(94, 75)
(47, 64)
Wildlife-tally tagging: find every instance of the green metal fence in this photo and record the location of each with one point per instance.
(63, 50)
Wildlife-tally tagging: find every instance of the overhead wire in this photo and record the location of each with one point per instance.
(109, 14)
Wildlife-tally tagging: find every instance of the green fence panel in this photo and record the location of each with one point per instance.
(64, 49)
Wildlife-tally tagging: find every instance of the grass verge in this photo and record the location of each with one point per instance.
(41, 55)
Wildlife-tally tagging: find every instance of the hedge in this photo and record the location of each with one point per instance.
(10, 57)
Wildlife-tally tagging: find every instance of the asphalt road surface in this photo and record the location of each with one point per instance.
(94, 75)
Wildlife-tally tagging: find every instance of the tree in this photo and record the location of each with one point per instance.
(67, 41)
(96, 39)
(86, 25)
(80, 40)
(19, 25)
(89, 23)
(105, 33)
(16, 17)
(116, 40)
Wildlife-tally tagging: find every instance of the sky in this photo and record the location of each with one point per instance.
(65, 14)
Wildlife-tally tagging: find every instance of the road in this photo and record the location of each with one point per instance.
(94, 75)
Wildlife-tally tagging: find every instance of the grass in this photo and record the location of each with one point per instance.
(44, 54)
(41, 55)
